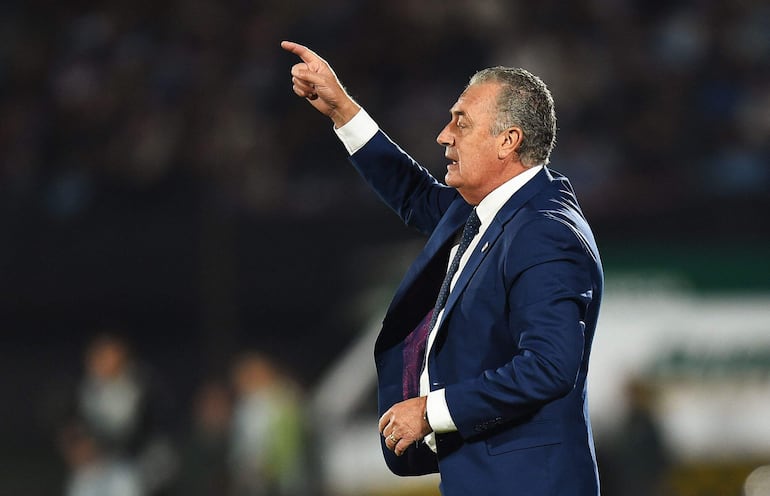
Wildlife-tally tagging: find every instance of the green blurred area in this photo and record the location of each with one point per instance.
(716, 267)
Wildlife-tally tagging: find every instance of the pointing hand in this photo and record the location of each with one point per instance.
(314, 79)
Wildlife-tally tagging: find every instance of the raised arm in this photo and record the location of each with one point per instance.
(400, 182)
(314, 80)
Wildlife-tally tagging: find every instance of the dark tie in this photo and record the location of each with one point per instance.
(470, 231)
(416, 341)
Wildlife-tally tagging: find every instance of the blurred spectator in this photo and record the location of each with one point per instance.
(203, 469)
(638, 459)
(112, 396)
(93, 472)
(121, 414)
(268, 450)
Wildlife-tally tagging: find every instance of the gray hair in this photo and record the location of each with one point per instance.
(524, 101)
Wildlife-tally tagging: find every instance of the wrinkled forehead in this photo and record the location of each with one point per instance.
(476, 99)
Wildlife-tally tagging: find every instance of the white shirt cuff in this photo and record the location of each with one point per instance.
(438, 413)
(357, 131)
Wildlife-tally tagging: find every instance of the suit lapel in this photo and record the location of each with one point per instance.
(450, 223)
(492, 235)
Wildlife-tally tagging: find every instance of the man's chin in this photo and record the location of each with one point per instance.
(450, 180)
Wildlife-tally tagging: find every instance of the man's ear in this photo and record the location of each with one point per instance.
(510, 141)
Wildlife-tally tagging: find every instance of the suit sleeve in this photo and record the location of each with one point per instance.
(406, 187)
(549, 287)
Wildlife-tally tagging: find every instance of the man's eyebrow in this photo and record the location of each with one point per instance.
(458, 113)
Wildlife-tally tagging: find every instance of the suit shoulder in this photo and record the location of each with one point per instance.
(552, 224)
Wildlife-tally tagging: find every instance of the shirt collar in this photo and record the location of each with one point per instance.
(494, 201)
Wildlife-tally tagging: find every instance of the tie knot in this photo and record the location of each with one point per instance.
(472, 225)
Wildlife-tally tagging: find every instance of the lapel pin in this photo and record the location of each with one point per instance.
(484, 248)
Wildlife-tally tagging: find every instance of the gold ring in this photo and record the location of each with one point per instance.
(392, 438)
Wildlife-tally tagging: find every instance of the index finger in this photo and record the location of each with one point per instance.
(384, 420)
(303, 52)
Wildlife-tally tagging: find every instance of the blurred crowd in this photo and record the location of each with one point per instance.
(662, 105)
(245, 436)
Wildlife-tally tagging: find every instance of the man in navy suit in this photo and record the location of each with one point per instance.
(483, 354)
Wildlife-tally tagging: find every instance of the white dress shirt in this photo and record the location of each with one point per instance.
(354, 135)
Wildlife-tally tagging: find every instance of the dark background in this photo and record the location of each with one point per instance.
(158, 177)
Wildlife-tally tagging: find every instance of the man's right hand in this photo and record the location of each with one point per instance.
(314, 80)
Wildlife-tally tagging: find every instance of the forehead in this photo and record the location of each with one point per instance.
(477, 99)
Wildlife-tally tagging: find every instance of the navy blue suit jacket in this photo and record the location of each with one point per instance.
(512, 351)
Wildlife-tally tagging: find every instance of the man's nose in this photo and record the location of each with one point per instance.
(445, 138)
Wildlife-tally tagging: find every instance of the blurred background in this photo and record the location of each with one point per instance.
(191, 274)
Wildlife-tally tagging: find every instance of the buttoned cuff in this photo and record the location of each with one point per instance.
(357, 131)
(439, 418)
